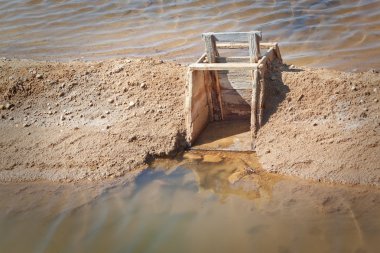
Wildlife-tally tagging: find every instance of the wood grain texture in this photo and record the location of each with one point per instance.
(210, 45)
(262, 73)
(236, 104)
(254, 47)
(223, 66)
(188, 105)
(241, 59)
(255, 80)
(235, 79)
(208, 87)
(232, 36)
(199, 123)
(240, 45)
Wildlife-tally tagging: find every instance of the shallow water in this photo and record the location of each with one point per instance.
(335, 34)
(191, 205)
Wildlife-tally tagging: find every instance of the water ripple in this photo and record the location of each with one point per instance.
(338, 34)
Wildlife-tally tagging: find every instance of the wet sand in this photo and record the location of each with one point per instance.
(96, 120)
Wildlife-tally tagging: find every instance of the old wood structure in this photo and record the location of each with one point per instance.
(229, 88)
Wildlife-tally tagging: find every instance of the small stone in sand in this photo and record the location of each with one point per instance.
(131, 104)
(132, 138)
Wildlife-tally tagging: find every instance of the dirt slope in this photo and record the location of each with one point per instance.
(75, 120)
(323, 125)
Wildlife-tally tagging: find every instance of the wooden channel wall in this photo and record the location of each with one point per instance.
(223, 91)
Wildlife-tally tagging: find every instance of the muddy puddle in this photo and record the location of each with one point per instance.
(202, 202)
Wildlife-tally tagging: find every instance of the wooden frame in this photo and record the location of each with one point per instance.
(228, 88)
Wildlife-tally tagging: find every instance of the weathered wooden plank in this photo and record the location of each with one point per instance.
(199, 102)
(255, 80)
(235, 79)
(197, 83)
(254, 47)
(218, 92)
(188, 105)
(232, 36)
(241, 59)
(236, 96)
(199, 123)
(262, 74)
(236, 104)
(223, 66)
(208, 86)
(238, 45)
(215, 97)
(237, 111)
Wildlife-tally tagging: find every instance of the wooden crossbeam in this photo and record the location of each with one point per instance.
(232, 36)
(223, 66)
(239, 45)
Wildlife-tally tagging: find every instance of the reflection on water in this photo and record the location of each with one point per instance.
(218, 202)
(337, 34)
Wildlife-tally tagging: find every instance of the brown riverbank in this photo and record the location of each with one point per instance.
(93, 120)
(79, 120)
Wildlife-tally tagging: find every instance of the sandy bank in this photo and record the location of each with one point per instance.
(323, 125)
(76, 120)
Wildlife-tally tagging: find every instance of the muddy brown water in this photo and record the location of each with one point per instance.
(216, 202)
(335, 34)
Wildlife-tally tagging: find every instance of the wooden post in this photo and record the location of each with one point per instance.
(208, 87)
(254, 47)
(277, 51)
(188, 106)
(212, 53)
(211, 50)
(262, 71)
(255, 79)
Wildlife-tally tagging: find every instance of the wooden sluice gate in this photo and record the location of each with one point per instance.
(225, 95)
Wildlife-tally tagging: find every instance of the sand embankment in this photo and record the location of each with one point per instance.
(76, 120)
(323, 125)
